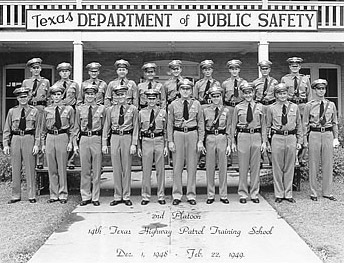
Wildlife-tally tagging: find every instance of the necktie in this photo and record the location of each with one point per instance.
(207, 87)
(58, 123)
(149, 85)
(249, 115)
(152, 121)
(177, 88)
(34, 88)
(121, 115)
(65, 84)
(321, 113)
(296, 88)
(122, 82)
(89, 119)
(22, 122)
(94, 82)
(216, 126)
(284, 119)
(186, 110)
(236, 92)
(265, 86)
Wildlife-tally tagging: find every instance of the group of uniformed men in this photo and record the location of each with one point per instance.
(151, 119)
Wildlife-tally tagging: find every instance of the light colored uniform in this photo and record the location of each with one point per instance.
(250, 137)
(320, 143)
(284, 146)
(199, 92)
(153, 148)
(56, 147)
(268, 96)
(70, 93)
(143, 87)
(132, 94)
(21, 147)
(120, 146)
(171, 89)
(216, 143)
(101, 85)
(90, 149)
(228, 86)
(185, 144)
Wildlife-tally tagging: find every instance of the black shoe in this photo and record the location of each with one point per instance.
(13, 201)
(242, 201)
(210, 201)
(290, 200)
(192, 202)
(39, 166)
(115, 202)
(144, 202)
(224, 200)
(63, 201)
(255, 200)
(162, 202)
(96, 203)
(278, 200)
(314, 198)
(52, 201)
(128, 202)
(331, 197)
(32, 201)
(86, 202)
(176, 202)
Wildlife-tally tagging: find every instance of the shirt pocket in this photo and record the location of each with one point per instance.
(31, 120)
(291, 116)
(329, 113)
(223, 119)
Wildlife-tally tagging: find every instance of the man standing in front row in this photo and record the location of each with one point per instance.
(185, 129)
(321, 131)
(21, 135)
(122, 121)
(89, 120)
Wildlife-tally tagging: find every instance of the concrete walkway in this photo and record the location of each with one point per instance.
(183, 233)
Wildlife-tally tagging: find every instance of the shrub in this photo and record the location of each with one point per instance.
(5, 167)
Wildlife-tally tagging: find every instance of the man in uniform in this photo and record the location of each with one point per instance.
(321, 132)
(21, 139)
(284, 125)
(93, 72)
(185, 129)
(122, 70)
(39, 93)
(171, 86)
(69, 95)
(57, 140)
(89, 120)
(217, 143)
(122, 121)
(150, 83)
(153, 145)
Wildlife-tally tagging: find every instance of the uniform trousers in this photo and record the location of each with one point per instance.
(249, 155)
(153, 148)
(91, 165)
(121, 164)
(216, 150)
(21, 150)
(186, 152)
(320, 150)
(283, 163)
(56, 153)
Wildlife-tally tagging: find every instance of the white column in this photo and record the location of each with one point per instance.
(78, 59)
(263, 49)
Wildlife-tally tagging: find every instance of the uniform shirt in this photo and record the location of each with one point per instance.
(42, 91)
(239, 118)
(13, 119)
(67, 120)
(303, 84)
(175, 117)
(130, 121)
(274, 119)
(269, 92)
(132, 95)
(224, 119)
(70, 94)
(311, 116)
(228, 87)
(143, 87)
(171, 90)
(101, 84)
(81, 119)
(199, 89)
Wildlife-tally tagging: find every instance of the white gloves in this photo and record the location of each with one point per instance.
(335, 143)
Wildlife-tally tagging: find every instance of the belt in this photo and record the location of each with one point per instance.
(231, 103)
(251, 130)
(152, 135)
(205, 101)
(22, 133)
(321, 129)
(56, 132)
(91, 133)
(267, 102)
(216, 132)
(121, 132)
(143, 106)
(35, 103)
(185, 129)
(298, 100)
(285, 133)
